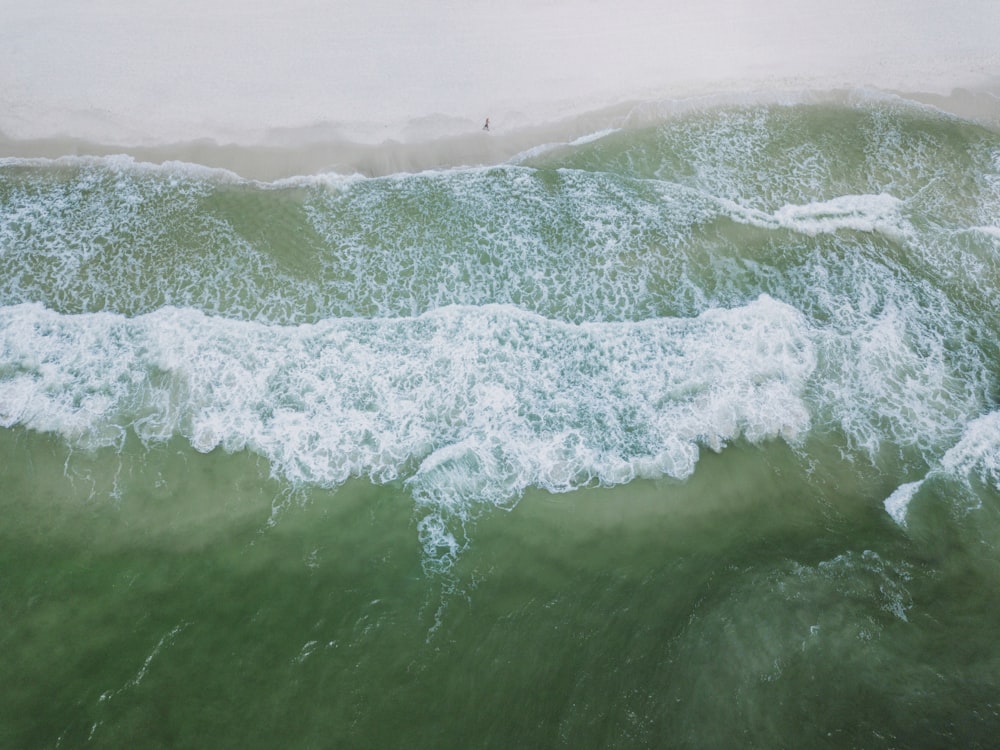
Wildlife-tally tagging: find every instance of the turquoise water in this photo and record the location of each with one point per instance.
(682, 436)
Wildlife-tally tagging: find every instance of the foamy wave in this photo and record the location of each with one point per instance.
(128, 165)
(544, 148)
(977, 453)
(861, 213)
(898, 503)
(470, 405)
(993, 232)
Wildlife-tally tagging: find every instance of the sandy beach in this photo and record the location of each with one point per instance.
(185, 79)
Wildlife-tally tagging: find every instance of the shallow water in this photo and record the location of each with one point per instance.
(676, 436)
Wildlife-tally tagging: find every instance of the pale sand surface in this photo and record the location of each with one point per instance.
(372, 85)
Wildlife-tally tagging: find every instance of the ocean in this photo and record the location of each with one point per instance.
(684, 435)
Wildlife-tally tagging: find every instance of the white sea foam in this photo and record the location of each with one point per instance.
(574, 245)
(897, 504)
(125, 164)
(991, 231)
(470, 405)
(977, 453)
(544, 148)
(567, 244)
(861, 213)
(638, 227)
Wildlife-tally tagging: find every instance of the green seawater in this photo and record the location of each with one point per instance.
(685, 436)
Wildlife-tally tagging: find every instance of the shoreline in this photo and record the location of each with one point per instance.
(308, 86)
(317, 150)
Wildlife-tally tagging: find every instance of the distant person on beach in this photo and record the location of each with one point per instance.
(487, 125)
